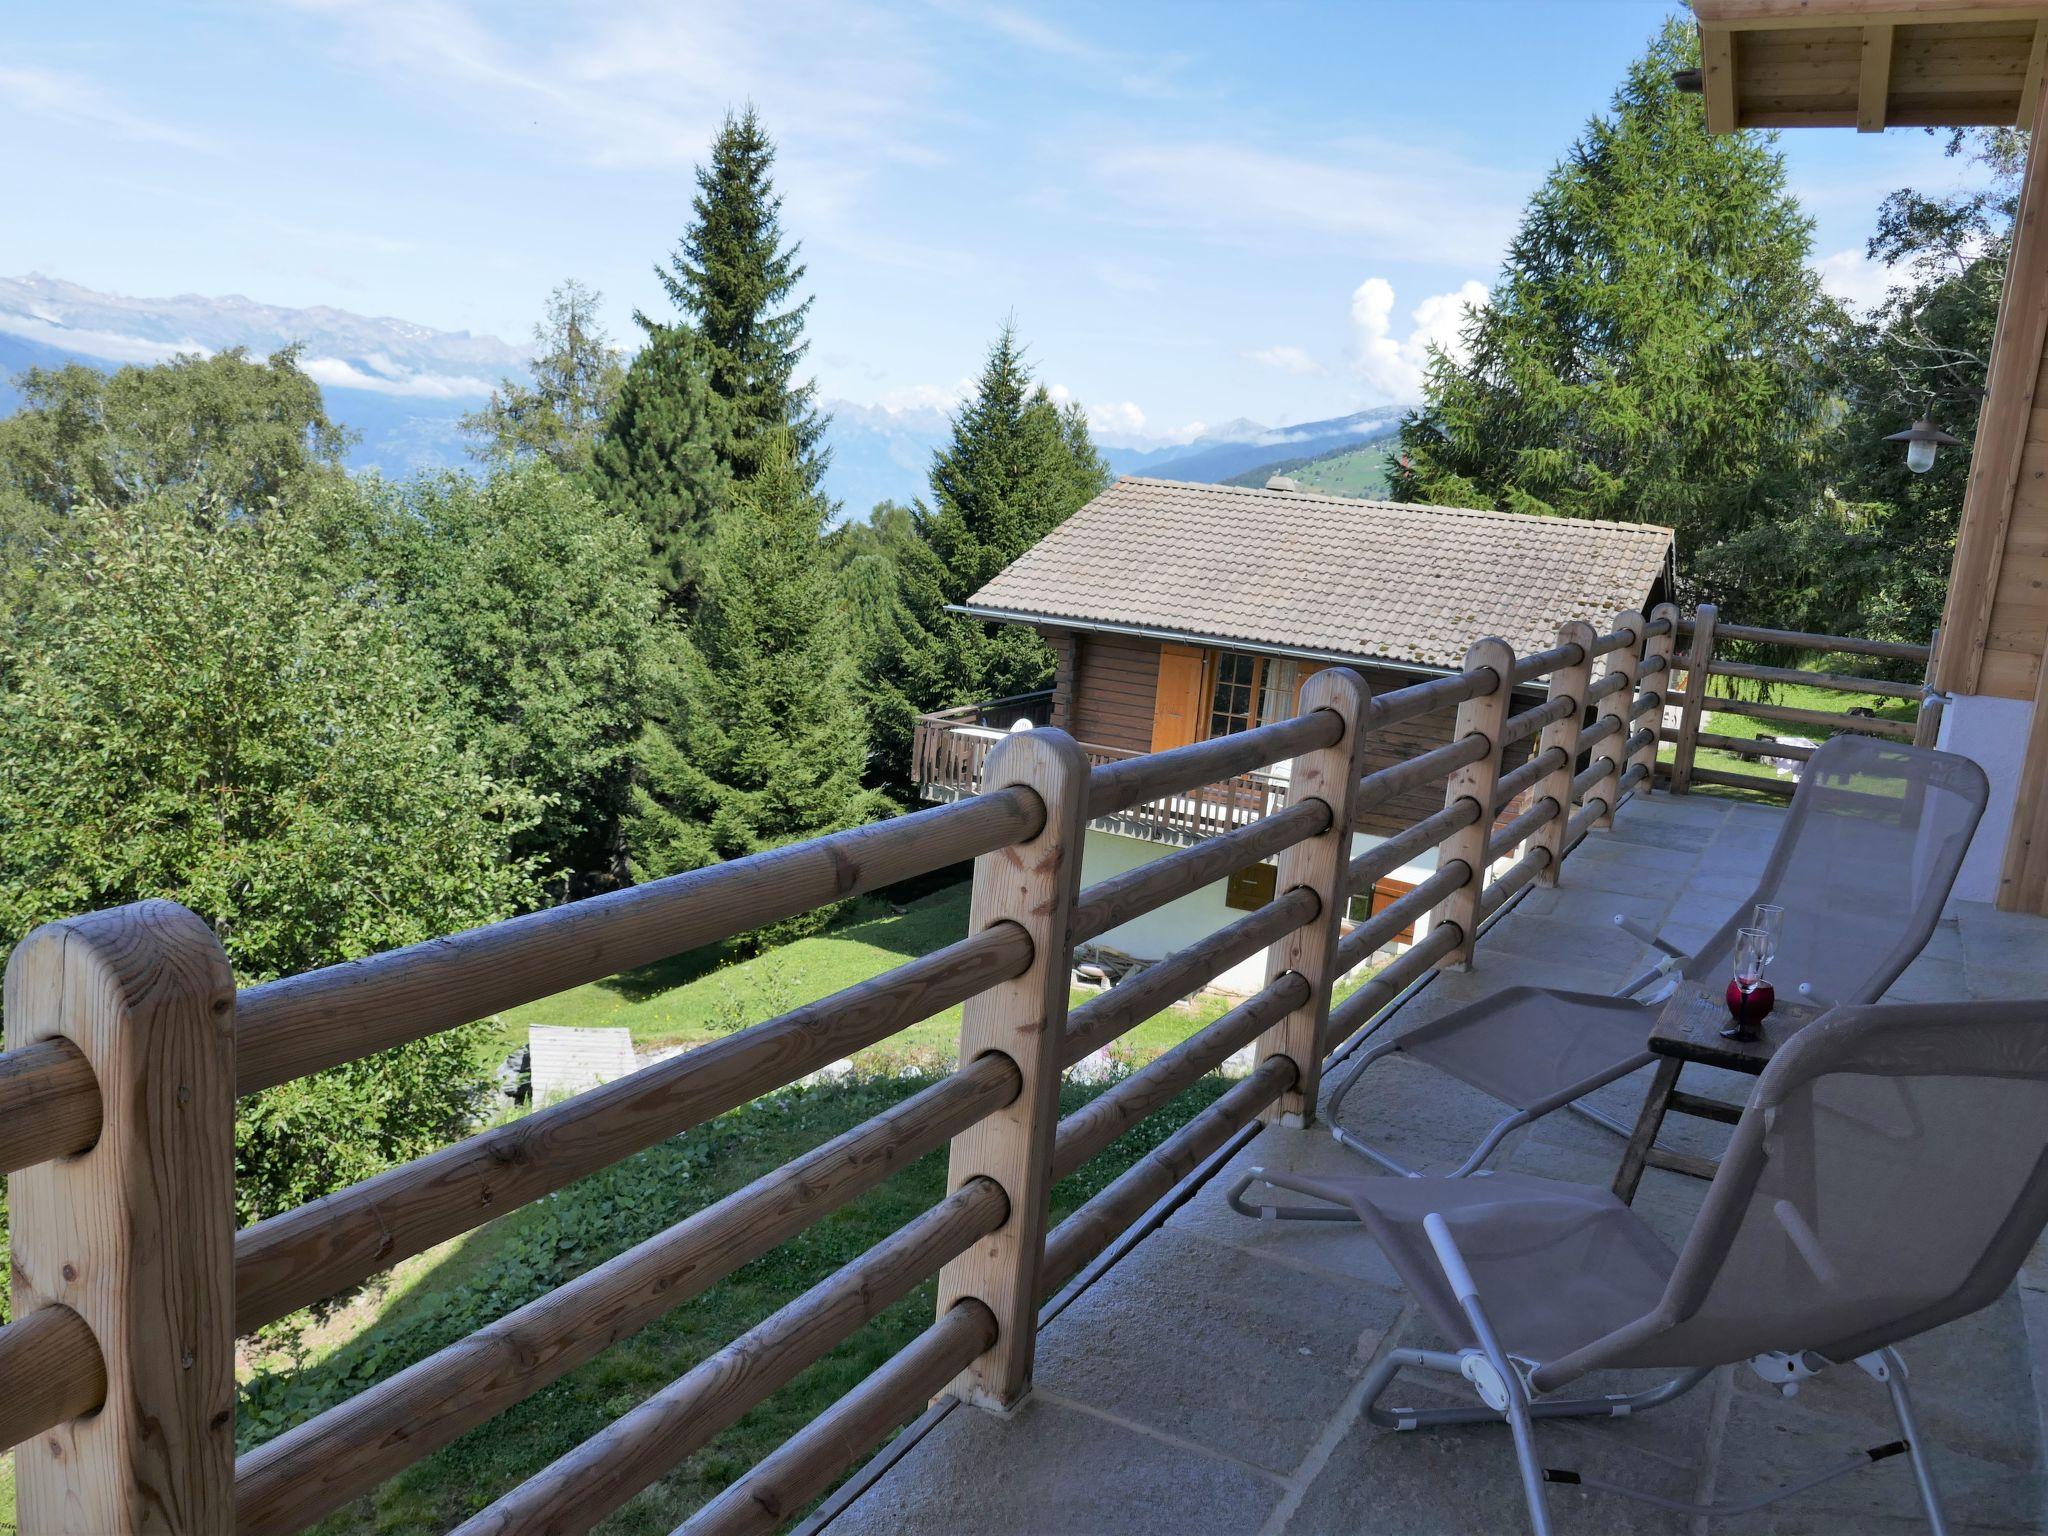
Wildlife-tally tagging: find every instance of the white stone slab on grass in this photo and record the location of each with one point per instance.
(567, 1061)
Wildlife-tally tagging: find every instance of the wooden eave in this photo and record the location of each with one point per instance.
(1870, 64)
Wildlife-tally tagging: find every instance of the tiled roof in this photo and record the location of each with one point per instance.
(1326, 574)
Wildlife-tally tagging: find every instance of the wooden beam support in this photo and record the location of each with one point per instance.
(1477, 782)
(135, 1235)
(1567, 682)
(1033, 885)
(1717, 74)
(1655, 682)
(1874, 79)
(2002, 423)
(1321, 864)
(2030, 91)
(1624, 663)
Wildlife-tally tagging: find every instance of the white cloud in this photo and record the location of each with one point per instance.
(1413, 203)
(1391, 366)
(68, 98)
(1292, 360)
(926, 397)
(107, 346)
(1854, 278)
(339, 373)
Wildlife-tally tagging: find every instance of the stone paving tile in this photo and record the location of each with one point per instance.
(1457, 1481)
(1265, 1351)
(1769, 1441)
(1054, 1470)
(1338, 1249)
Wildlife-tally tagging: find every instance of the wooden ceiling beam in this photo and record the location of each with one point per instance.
(1874, 79)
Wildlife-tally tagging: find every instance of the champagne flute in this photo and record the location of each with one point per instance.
(1752, 954)
(1771, 918)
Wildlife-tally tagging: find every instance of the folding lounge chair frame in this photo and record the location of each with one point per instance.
(1832, 794)
(1860, 1204)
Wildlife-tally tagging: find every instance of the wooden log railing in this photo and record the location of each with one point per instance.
(1702, 660)
(116, 1381)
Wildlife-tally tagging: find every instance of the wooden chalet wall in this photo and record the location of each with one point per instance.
(1105, 688)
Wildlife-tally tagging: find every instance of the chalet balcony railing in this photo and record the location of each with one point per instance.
(128, 1043)
(949, 749)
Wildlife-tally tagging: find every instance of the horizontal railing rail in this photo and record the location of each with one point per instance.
(1702, 663)
(1504, 825)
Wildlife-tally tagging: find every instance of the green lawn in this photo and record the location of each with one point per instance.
(1725, 723)
(705, 994)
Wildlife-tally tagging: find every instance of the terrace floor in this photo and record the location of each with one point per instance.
(1209, 1380)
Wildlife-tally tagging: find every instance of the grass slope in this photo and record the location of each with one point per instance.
(1356, 469)
(439, 1297)
(1723, 723)
(700, 996)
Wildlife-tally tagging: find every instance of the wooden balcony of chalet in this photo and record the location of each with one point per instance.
(950, 747)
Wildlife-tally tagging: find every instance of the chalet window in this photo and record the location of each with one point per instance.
(1234, 696)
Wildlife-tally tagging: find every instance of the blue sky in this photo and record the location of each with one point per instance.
(1194, 210)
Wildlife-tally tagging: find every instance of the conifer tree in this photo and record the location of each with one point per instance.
(659, 461)
(1016, 467)
(1649, 351)
(576, 375)
(765, 740)
(731, 277)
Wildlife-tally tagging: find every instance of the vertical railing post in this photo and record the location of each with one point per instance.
(1566, 682)
(1031, 884)
(1478, 783)
(1656, 681)
(136, 1235)
(1927, 722)
(1696, 660)
(1323, 864)
(1613, 749)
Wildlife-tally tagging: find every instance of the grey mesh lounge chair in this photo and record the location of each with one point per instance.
(1861, 1203)
(1862, 867)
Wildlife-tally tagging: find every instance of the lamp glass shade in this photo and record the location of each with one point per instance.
(1920, 456)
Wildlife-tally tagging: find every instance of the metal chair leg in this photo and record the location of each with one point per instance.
(1892, 1372)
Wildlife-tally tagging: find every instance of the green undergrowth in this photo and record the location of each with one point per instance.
(438, 1300)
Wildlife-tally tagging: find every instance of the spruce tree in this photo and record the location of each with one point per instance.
(765, 741)
(1016, 467)
(731, 276)
(659, 461)
(1648, 354)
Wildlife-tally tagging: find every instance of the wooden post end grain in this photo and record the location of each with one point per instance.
(1613, 749)
(1656, 681)
(1476, 782)
(136, 1234)
(1566, 682)
(1321, 863)
(1031, 884)
(1696, 660)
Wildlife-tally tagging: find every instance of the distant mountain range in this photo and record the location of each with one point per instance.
(404, 388)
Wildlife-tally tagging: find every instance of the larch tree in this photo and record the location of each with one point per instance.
(764, 740)
(576, 376)
(660, 463)
(1649, 352)
(733, 278)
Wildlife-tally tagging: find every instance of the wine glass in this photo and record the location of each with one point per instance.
(1752, 954)
(1770, 918)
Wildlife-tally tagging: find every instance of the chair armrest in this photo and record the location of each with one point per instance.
(1453, 1262)
(1643, 934)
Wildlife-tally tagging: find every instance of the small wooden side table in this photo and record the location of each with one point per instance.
(1688, 1028)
